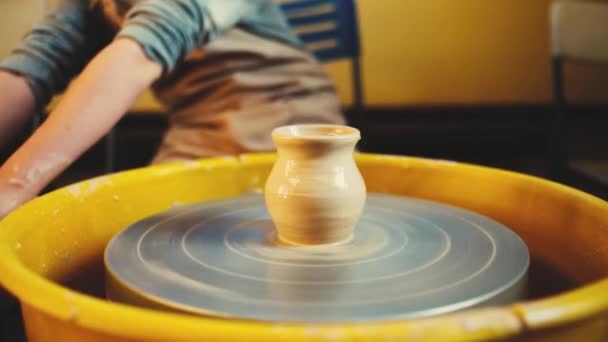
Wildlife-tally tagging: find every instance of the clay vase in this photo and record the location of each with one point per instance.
(315, 193)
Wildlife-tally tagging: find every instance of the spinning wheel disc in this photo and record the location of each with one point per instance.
(408, 258)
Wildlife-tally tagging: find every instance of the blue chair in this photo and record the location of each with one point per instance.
(330, 30)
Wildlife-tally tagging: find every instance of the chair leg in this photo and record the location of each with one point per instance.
(559, 138)
(359, 119)
(110, 149)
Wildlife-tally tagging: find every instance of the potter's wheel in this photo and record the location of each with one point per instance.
(408, 258)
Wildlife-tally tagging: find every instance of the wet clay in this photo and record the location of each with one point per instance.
(315, 193)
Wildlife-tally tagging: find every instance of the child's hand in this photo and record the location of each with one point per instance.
(91, 106)
(9, 201)
(14, 190)
(7, 204)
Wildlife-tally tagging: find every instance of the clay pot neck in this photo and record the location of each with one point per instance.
(315, 141)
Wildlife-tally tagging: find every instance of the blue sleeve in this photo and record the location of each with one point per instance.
(53, 52)
(168, 30)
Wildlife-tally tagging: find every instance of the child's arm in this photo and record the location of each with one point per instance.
(49, 56)
(92, 104)
(156, 36)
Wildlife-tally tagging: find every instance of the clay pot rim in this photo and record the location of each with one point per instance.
(316, 133)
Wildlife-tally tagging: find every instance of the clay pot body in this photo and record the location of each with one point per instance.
(315, 193)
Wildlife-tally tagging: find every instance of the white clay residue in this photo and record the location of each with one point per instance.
(17, 181)
(488, 318)
(99, 182)
(312, 331)
(327, 334)
(279, 329)
(74, 190)
(74, 312)
(445, 162)
(547, 315)
(335, 334)
(33, 175)
(12, 204)
(69, 296)
(191, 164)
(81, 189)
(389, 157)
(43, 167)
(8, 206)
(162, 171)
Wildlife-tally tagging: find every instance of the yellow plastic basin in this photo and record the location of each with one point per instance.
(51, 254)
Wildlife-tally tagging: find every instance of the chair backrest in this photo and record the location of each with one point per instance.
(579, 30)
(328, 28)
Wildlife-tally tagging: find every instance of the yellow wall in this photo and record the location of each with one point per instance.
(446, 51)
(16, 17)
(433, 52)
